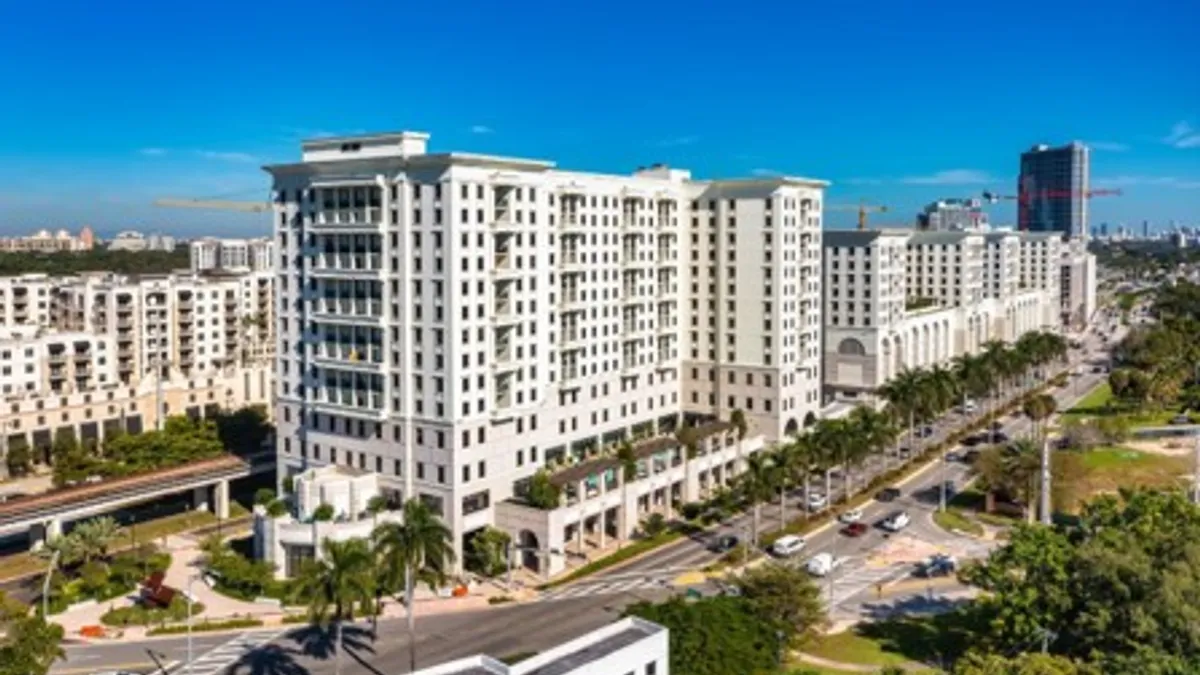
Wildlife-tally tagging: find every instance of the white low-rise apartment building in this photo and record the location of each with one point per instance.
(25, 300)
(898, 299)
(37, 360)
(179, 325)
(454, 321)
(631, 646)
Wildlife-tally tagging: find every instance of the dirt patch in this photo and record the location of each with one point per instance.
(1170, 447)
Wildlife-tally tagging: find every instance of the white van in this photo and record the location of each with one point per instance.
(896, 522)
(787, 546)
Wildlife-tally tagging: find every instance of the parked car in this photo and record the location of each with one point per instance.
(888, 494)
(925, 432)
(724, 544)
(787, 546)
(938, 565)
(817, 501)
(822, 564)
(855, 529)
(851, 516)
(895, 522)
(970, 456)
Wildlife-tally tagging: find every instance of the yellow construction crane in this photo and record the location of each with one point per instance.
(862, 208)
(216, 204)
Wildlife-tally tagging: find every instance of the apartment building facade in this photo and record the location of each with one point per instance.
(25, 300)
(175, 325)
(900, 299)
(210, 253)
(455, 321)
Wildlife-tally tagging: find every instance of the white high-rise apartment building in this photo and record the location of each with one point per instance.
(210, 253)
(899, 299)
(453, 321)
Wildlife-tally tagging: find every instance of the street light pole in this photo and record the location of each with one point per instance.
(46, 585)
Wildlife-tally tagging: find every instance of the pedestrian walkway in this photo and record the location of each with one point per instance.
(219, 658)
(855, 577)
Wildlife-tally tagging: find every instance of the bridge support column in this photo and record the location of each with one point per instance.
(221, 499)
(41, 533)
(200, 498)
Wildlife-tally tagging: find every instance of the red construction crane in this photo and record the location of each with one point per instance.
(1027, 197)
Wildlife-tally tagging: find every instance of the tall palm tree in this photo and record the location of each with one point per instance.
(757, 485)
(974, 377)
(417, 549)
(903, 394)
(332, 585)
(802, 455)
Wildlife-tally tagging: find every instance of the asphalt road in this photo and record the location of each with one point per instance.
(503, 631)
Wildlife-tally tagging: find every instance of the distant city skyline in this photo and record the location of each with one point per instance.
(191, 120)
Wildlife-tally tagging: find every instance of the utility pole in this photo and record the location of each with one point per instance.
(1046, 481)
(158, 391)
(1196, 472)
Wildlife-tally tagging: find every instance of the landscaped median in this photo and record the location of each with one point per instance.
(206, 626)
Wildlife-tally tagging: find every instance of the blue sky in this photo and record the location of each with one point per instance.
(108, 105)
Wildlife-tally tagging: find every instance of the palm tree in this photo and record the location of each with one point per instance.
(419, 548)
(975, 378)
(903, 394)
(629, 469)
(1038, 408)
(878, 429)
(94, 537)
(802, 455)
(757, 485)
(334, 583)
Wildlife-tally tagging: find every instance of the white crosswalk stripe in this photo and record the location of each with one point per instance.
(607, 587)
(855, 580)
(217, 659)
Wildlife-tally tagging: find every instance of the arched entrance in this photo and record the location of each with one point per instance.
(530, 551)
(792, 428)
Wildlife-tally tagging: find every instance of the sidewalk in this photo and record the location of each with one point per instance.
(185, 564)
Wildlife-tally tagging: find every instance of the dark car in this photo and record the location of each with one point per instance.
(970, 456)
(890, 494)
(951, 488)
(937, 566)
(724, 544)
(973, 440)
(855, 529)
(925, 432)
(999, 437)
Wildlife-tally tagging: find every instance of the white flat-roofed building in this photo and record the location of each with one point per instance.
(453, 321)
(37, 361)
(211, 253)
(631, 646)
(899, 299)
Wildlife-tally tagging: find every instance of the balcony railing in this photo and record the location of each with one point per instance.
(348, 262)
(349, 307)
(366, 355)
(361, 216)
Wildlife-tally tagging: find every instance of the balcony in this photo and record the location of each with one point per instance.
(503, 219)
(347, 220)
(571, 301)
(346, 265)
(355, 357)
(503, 314)
(58, 358)
(569, 222)
(353, 401)
(348, 309)
(571, 262)
(571, 338)
(504, 266)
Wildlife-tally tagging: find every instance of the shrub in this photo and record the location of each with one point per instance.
(206, 625)
(140, 615)
(654, 525)
(692, 510)
(323, 513)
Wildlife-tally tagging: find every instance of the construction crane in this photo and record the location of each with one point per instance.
(216, 204)
(1027, 196)
(862, 208)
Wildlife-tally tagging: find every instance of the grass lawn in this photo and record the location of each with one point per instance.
(1111, 468)
(1094, 403)
(851, 647)
(1099, 403)
(954, 519)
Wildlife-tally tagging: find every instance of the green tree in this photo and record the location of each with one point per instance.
(263, 497)
(334, 584)
(1011, 471)
(738, 419)
(488, 552)
(542, 492)
(714, 636)
(19, 458)
(418, 549)
(654, 524)
(28, 644)
(66, 263)
(94, 537)
(757, 484)
(785, 596)
(1022, 664)
(323, 513)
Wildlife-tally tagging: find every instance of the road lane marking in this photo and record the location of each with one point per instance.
(135, 666)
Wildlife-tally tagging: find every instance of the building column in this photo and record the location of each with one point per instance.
(200, 498)
(221, 499)
(603, 525)
(579, 532)
(40, 533)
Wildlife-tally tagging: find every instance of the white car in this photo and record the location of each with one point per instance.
(851, 516)
(817, 501)
(967, 407)
(822, 564)
(896, 522)
(788, 545)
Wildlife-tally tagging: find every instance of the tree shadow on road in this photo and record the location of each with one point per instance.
(269, 659)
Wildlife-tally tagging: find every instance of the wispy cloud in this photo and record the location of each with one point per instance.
(481, 129)
(678, 141)
(950, 177)
(765, 172)
(1107, 146)
(240, 157)
(1159, 181)
(152, 152)
(1183, 135)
